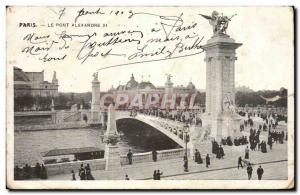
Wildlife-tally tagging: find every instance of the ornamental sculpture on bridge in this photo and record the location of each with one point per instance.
(168, 77)
(95, 75)
(218, 22)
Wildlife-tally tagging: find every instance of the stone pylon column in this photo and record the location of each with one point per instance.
(169, 85)
(95, 106)
(112, 151)
(52, 105)
(220, 87)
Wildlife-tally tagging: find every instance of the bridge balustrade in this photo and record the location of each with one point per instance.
(137, 158)
(171, 154)
(161, 155)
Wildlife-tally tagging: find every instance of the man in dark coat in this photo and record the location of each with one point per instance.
(88, 173)
(158, 174)
(73, 175)
(44, 174)
(240, 162)
(207, 160)
(38, 170)
(129, 156)
(154, 155)
(81, 173)
(196, 156)
(260, 172)
(200, 161)
(218, 155)
(263, 147)
(270, 142)
(249, 171)
(154, 175)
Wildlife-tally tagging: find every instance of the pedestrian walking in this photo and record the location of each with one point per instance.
(260, 172)
(129, 156)
(247, 153)
(81, 173)
(154, 155)
(73, 175)
(197, 157)
(207, 161)
(44, 174)
(158, 174)
(222, 153)
(240, 162)
(88, 173)
(154, 175)
(249, 171)
(37, 170)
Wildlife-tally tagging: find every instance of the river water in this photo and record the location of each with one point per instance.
(31, 145)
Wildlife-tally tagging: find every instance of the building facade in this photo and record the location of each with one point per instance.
(146, 88)
(33, 84)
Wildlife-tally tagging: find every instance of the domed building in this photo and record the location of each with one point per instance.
(191, 86)
(133, 87)
(131, 84)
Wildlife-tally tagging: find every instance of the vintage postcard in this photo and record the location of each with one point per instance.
(120, 97)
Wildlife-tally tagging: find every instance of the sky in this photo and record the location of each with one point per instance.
(264, 61)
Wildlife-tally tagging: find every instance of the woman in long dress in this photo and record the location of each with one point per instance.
(247, 153)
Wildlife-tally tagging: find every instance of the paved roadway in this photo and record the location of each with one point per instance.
(274, 163)
(272, 171)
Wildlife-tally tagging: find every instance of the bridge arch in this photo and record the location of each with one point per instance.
(147, 120)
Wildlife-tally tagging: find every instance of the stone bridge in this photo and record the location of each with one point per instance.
(173, 129)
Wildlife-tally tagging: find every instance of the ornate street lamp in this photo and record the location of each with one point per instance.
(186, 131)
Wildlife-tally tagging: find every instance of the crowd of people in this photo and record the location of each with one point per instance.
(249, 169)
(254, 139)
(28, 172)
(84, 173)
(237, 141)
(218, 150)
(277, 136)
(183, 115)
(242, 140)
(198, 158)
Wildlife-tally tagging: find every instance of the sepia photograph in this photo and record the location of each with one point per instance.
(198, 97)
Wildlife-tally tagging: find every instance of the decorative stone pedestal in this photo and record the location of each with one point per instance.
(112, 151)
(220, 116)
(112, 156)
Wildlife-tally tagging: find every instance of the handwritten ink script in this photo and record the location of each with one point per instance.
(137, 37)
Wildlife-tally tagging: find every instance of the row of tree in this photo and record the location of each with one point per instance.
(66, 100)
(63, 101)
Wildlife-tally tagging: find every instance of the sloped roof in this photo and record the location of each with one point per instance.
(145, 84)
(19, 75)
(58, 152)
